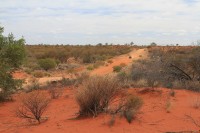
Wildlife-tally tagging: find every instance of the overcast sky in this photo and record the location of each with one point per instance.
(101, 21)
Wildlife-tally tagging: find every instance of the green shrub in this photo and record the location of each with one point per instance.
(123, 76)
(47, 63)
(90, 68)
(117, 68)
(12, 55)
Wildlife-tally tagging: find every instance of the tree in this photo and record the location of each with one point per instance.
(12, 55)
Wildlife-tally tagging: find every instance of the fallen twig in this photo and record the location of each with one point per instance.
(192, 119)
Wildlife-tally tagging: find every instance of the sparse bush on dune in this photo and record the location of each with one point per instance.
(47, 63)
(67, 81)
(128, 107)
(110, 61)
(195, 102)
(32, 106)
(117, 68)
(122, 64)
(131, 107)
(81, 77)
(95, 95)
(34, 85)
(151, 71)
(123, 76)
(40, 74)
(90, 68)
(55, 92)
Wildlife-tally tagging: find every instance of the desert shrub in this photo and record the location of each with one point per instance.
(122, 65)
(90, 68)
(38, 74)
(151, 71)
(81, 77)
(55, 92)
(98, 64)
(168, 106)
(178, 84)
(192, 85)
(47, 63)
(28, 70)
(34, 86)
(96, 94)
(195, 102)
(110, 61)
(117, 68)
(123, 76)
(111, 122)
(88, 58)
(67, 82)
(131, 107)
(139, 83)
(172, 93)
(32, 106)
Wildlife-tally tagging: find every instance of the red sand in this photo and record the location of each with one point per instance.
(20, 75)
(153, 117)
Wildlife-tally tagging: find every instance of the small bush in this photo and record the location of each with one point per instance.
(96, 94)
(168, 106)
(117, 68)
(98, 64)
(131, 107)
(196, 102)
(122, 65)
(47, 63)
(90, 68)
(172, 93)
(34, 86)
(38, 74)
(110, 61)
(55, 92)
(81, 77)
(66, 81)
(33, 105)
(192, 85)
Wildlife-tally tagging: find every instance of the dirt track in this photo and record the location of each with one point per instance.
(135, 55)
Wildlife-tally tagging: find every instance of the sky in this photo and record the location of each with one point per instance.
(102, 21)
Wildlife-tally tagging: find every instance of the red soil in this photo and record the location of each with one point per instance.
(20, 75)
(153, 117)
